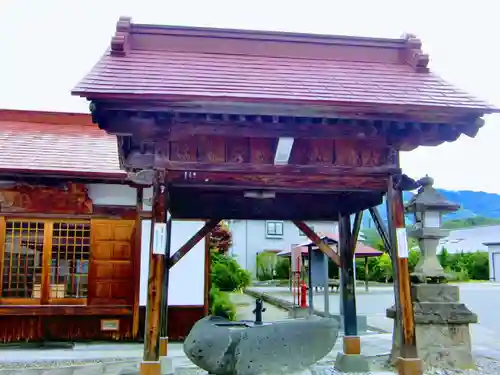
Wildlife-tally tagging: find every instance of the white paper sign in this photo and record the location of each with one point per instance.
(160, 238)
(402, 242)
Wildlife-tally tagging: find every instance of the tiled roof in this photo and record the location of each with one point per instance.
(361, 251)
(58, 143)
(176, 63)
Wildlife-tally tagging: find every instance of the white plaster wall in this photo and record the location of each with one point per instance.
(494, 258)
(187, 277)
(249, 238)
(112, 194)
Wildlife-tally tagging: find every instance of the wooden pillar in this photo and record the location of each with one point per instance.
(208, 278)
(352, 343)
(151, 364)
(137, 261)
(309, 280)
(366, 274)
(165, 285)
(408, 363)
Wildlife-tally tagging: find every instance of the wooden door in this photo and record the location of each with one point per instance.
(111, 272)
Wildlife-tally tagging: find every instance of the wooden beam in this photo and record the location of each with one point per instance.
(3, 228)
(382, 231)
(137, 261)
(353, 130)
(208, 279)
(358, 218)
(348, 286)
(317, 241)
(156, 269)
(165, 284)
(404, 304)
(272, 169)
(366, 274)
(46, 263)
(197, 237)
(293, 182)
(64, 310)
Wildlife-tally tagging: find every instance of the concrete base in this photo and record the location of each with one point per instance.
(150, 368)
(441, 328)
(167, 367)
(352, 363)
(163, 346)
(409, 366)
(298, 312)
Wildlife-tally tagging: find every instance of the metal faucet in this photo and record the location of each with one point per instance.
(259, 309)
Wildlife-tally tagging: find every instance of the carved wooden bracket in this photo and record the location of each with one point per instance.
(120, 42)
(23, 198)
(414, 55)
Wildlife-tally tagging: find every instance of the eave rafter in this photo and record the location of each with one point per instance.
(402, 134)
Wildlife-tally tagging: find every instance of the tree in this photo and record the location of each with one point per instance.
(221, 238)
(470, 222)
(385, 265)
(444, 258)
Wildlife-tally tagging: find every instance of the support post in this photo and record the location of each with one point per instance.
(351, 359)
(351, 339)
(327, 280)
(317, 241)
(197, 237)
(408, 363)
(208, 279)
(166, 280)
(379, 224)
(309, 280)
(366, 274)
(151, 364)
(137, 260)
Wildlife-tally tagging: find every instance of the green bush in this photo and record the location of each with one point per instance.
(227, 275)
(266, 263)
(282, 268)
(221, 305)
(459, 266)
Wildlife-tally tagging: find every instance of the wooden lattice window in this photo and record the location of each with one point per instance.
(44, 260)
(22, 258)
(70, 259)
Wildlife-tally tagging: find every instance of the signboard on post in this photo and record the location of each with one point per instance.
(160, 238)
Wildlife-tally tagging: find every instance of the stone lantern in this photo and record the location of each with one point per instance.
(441, 321)
(428, 207)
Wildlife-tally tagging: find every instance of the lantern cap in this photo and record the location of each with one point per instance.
(429, 199)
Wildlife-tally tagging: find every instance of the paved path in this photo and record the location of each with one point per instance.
(482, 298)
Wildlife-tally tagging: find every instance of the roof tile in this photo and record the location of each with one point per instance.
(210, 75)
(62, 148)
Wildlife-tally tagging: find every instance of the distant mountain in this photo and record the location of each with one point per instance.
(472, 203)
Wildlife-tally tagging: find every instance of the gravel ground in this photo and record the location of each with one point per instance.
(6, 364)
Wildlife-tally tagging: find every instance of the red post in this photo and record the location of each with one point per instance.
(303, 295)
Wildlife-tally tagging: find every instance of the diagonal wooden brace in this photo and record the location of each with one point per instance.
(318, 242)
(197, 237)
(355, 231)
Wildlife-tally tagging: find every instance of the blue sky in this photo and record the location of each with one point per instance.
(47, 46)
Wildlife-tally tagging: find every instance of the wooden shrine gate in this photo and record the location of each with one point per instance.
(232, 124)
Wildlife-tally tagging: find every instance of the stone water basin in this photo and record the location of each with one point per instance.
(222, 347)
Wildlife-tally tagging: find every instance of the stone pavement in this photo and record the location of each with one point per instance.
(124, 358)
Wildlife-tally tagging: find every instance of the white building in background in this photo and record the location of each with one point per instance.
(251, 237)
(470, 239)
(494, 258)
